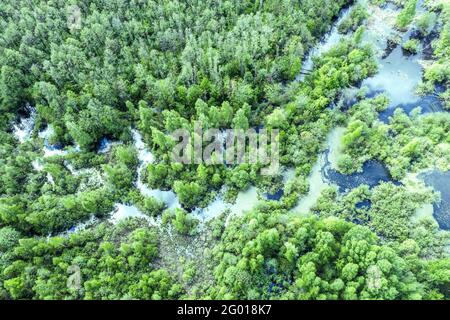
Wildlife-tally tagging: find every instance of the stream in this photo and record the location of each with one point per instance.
(244, 201)
(439, 181)
(398, 76)
(399, 73)
(330, 39)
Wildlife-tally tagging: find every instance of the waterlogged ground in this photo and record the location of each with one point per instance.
(439, 181)
(395, 68)
(398, 76)
(329, 40)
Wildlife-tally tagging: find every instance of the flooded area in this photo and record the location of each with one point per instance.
(324, 174)
(23, 129)
(372, 172)
(317, 184)
(49, 149)
(123, 211)
(440, 182)
(398, 77)
(244, 201)
(330, 39)
(399, 73)
(169, 198)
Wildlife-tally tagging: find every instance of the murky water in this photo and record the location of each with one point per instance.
(123, 211)
(379, 27)
(49, 149)
(398, 77)
(214, 209)
(144, 155)
(275, 196)
(335, 146)
(22, 131)
(425, 211)
(245, 201)
(330, 39)
(399, 74)
(440, 181)
(106, 145)
(372, 174)
(317, 184)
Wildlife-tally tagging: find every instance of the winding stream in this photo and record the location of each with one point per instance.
(245, 199)
(398, 77)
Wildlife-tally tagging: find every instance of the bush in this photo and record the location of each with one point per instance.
(406, 15)
(411, 46)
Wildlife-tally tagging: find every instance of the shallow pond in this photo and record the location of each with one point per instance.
(440, 181)
(372, 174)
(399, 73)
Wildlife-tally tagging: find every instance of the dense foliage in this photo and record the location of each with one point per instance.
(80, 81)
(405, 144)
(280, 256)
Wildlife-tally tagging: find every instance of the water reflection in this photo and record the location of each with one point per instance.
(440, 181)
(49, 149)
(330, 39)
(22, 131)
(371, 174)
(399, 74)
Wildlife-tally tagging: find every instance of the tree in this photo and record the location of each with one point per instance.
(190, 194)
(240, 120)
(9, 237)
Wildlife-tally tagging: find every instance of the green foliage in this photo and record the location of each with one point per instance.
(425, 23)
(411, 46)
(405, 144)
(161, 66)
(356, 17)
(439, 70)
(189, 193)
(183, 222)
(119, 175)
(9, 237)
(378, 2)
(406, 15)
(392, 209)
(114, 263)
(281, 257)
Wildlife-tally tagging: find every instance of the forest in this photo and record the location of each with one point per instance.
(92, 207)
